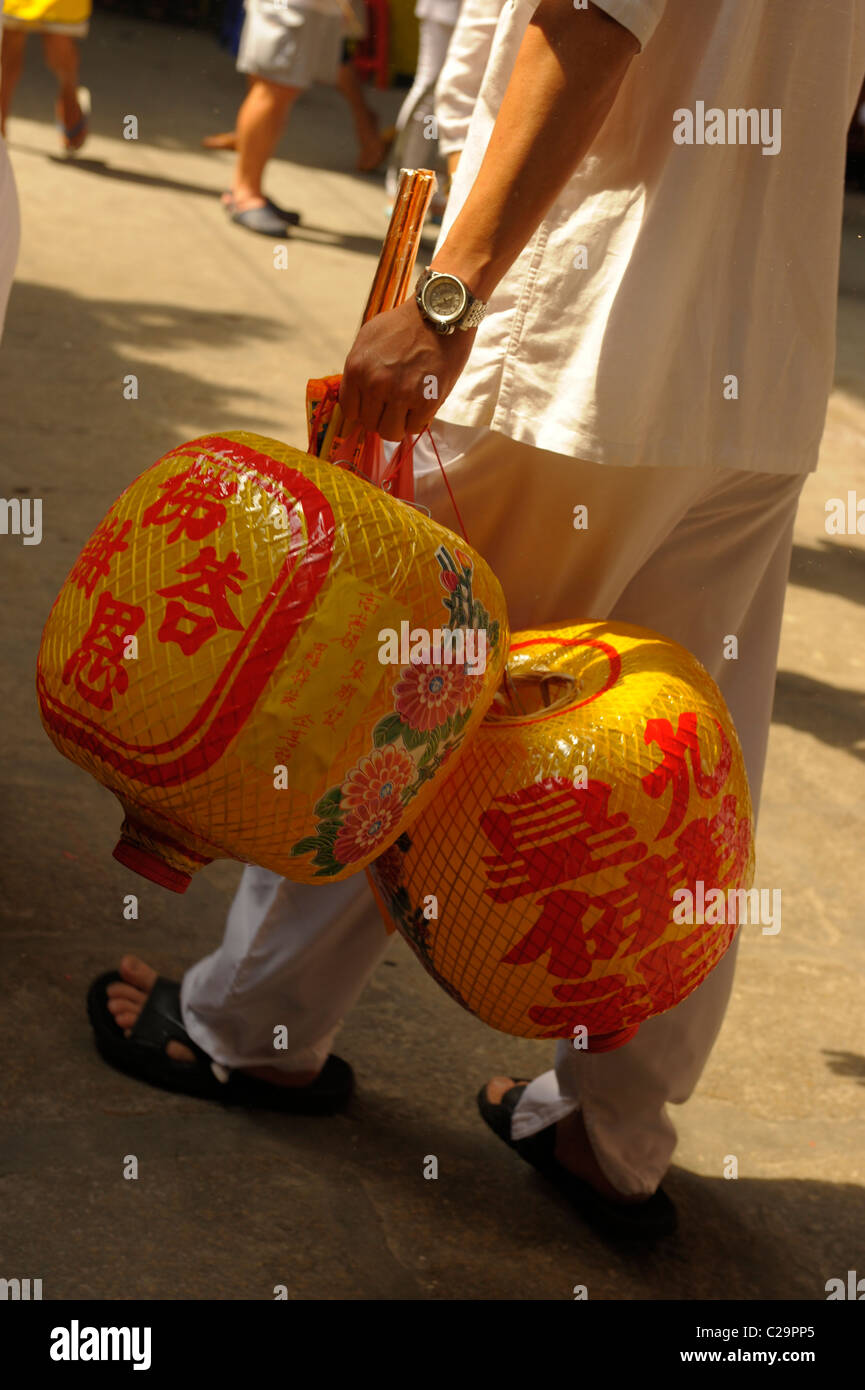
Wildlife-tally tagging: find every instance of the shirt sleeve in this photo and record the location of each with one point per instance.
(461, 77)
(640, 16)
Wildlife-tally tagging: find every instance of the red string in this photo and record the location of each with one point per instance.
(447, 484)
(331, 395)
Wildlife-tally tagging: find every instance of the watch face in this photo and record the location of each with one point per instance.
(444, 298)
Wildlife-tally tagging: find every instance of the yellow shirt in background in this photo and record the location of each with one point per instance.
(47, 14)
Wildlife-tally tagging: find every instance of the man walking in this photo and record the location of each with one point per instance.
(645, 225)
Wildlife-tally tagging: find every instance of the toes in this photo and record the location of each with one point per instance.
(497, 1088)
(120, 990)
(135, 972)
(179, 1052)
(124, 1015)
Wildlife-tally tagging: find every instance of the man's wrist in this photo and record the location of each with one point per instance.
(472, 266)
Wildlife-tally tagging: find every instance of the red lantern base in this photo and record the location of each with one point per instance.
(153, 854)
(150, 866)
(608, 1042)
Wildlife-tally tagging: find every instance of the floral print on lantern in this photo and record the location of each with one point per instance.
(432, 706)
(427, 694)
(379, 778)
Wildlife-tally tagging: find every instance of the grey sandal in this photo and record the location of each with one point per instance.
(271, 220)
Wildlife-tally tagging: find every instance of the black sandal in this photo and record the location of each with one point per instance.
(645, 1221)
(143, 1056)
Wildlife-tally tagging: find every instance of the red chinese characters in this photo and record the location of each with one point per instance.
(551, 832)
(208, 587)
(676, 747)
(97, 664)
(94, 562)
(192, 503)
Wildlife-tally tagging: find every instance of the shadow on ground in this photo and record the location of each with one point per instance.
(230, 1203)
(833, 715)
(130, 75)
(830, 567)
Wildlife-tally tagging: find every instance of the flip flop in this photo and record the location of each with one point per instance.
(143, 1056)
(82, 125)
(291, 219)
(639, 1221)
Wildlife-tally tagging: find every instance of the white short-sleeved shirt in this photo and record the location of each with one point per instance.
(677, 305)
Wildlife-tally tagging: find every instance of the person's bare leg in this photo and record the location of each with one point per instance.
(573, 1147)
(260, 123)
(127, 997)
(372, 144)
(11, 63)
(61, 56)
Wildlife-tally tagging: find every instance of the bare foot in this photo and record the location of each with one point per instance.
(374, 148)
(71, 117)
(573, 1148)
(126, 999)
(242, 199)
(227, 140)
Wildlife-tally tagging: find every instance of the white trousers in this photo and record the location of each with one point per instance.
(413, 147)
(696, 555)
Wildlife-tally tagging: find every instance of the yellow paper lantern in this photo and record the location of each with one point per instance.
(547, 886)
(267, 658)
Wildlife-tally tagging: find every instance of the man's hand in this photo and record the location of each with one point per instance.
(400, 370)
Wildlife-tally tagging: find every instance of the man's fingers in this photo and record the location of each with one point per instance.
(359, 405)
(372, 408)
(349, 397)
(417, 420)
(392, 424)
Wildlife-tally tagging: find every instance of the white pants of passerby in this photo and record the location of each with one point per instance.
(414, 147)
(696, 555)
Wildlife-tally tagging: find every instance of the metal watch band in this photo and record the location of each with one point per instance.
(474, 315)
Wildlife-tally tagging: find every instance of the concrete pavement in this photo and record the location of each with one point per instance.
(128, 265)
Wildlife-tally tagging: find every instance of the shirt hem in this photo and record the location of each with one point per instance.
(589, 448)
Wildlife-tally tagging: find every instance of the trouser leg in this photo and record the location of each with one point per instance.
(293, 961)
(698, 557)
(299, 956)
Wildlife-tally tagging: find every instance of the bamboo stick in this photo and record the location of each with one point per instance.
(392, 280)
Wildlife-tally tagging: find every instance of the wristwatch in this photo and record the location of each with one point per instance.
(446, 302)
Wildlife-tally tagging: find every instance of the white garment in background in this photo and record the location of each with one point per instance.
(442, 11)
(460, 79)
(298, 956)
(416, 145)
(293, 45)
(703, 262)
(10, 229)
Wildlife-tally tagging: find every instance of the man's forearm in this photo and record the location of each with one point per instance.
(568, 70)
(566, 76)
